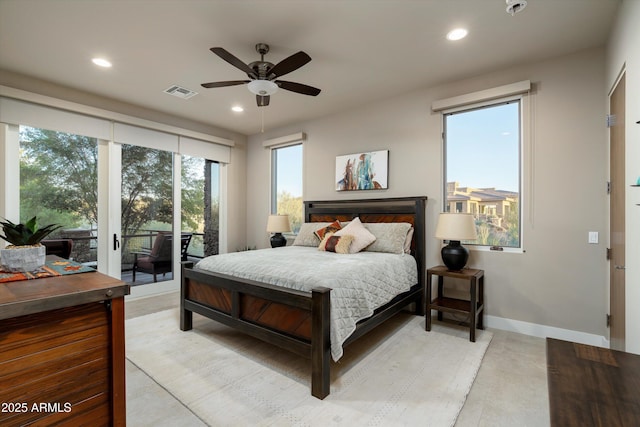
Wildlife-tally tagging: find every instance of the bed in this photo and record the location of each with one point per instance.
(299, 318)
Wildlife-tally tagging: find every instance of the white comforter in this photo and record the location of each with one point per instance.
(360, 282)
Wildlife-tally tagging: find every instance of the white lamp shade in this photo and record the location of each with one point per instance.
(456, 226)
(262, 87)
(278, 224)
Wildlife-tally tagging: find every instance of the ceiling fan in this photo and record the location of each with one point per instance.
(262, 74)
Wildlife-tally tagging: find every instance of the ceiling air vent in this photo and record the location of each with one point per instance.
(180, 92)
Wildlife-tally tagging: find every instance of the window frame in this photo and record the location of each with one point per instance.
(273, 199)
(522, 106)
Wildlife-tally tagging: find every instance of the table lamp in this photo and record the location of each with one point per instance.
(455, 227)
(278, 224)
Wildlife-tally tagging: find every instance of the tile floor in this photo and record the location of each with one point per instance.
(510, 389)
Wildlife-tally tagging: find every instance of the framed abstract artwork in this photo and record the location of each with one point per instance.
(362, 171)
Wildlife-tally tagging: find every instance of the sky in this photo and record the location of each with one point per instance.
(290, 178)
(483, 147)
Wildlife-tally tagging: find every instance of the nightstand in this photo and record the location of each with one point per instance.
(473, 307)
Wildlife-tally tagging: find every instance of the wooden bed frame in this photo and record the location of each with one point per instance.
(295, 320)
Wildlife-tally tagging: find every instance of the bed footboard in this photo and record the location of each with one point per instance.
(294, 320)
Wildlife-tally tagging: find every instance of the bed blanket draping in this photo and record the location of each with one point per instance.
(360, 282)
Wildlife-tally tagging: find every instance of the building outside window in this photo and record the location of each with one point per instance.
(482, 170)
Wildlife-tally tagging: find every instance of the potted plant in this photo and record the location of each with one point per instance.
(24, 252)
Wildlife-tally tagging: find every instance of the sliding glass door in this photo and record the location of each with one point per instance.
(147, 212)
(124, 194)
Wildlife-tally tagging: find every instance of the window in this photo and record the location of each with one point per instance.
(201, 205)
(58, 185)
(286, 183)
(482, 170)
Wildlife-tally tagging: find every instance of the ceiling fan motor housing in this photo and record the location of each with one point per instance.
(261, 68)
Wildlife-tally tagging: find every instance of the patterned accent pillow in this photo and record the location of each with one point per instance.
(362, 236)
(331, 228)
(337, 244)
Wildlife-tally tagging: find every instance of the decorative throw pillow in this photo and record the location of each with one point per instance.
(337, 244)
(362, 236)
(331, 228)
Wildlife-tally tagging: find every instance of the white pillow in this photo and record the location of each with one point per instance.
(391, 237)
(361, 236)
(407, 242)
(306, 236)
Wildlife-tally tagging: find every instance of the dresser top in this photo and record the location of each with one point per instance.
(24, 297)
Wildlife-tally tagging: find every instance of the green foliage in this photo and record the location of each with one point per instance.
(25, 234)
(147, 184)
(292, 206)
(59, 172)
(193, 205)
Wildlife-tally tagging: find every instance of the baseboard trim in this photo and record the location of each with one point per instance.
(152, 289)
(544, 331)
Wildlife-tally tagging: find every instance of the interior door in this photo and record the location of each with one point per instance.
(617, 217)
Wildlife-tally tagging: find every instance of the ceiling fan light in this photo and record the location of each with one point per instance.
(262, 87)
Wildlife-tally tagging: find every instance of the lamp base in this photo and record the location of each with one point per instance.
(278, 240)
(454, 255)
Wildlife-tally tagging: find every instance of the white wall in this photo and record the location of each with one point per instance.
(623, 52)
(560, 280)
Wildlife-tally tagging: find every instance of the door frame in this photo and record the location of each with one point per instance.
(617, 213)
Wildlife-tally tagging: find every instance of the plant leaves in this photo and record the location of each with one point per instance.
(26, 234)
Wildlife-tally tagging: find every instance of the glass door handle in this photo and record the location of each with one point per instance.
(116, 242)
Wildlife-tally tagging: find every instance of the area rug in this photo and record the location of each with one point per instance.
(397, 375)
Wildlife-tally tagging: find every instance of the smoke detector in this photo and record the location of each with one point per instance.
(515, 6)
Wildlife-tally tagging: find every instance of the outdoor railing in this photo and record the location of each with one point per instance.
(85, 245)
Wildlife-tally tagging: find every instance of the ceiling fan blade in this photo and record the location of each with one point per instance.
(231, 59)
(223, 84)
(298, 87)
(262, 101)
(289, 64)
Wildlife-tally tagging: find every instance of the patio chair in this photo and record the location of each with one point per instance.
(158, 259)
(59, 247)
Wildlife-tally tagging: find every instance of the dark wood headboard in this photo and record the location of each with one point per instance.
(401, 209)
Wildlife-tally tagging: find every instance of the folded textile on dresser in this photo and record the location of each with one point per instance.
(360, 282)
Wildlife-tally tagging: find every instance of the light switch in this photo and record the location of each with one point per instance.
(593, 237)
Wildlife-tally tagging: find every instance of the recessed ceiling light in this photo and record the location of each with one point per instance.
(237, 109)
(457, 34)
(101, 62)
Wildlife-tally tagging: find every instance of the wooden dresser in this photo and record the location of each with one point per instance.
(592, 386)
(62, 351)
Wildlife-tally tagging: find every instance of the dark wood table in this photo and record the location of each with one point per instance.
(473, 307)
(62, 354)
(592, 386)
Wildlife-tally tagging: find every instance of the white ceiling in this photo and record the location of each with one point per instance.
(362, 51)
